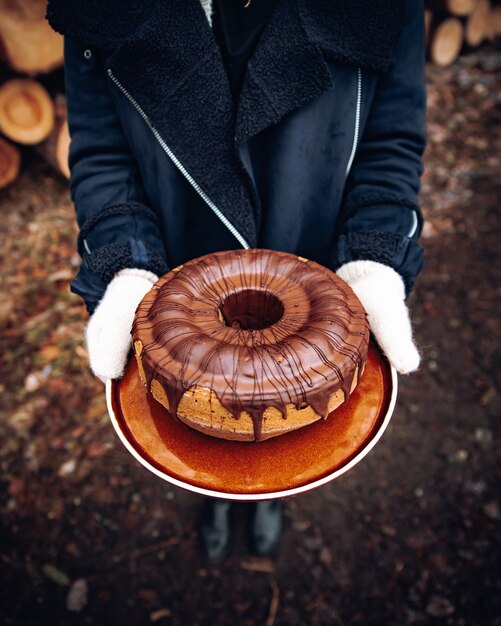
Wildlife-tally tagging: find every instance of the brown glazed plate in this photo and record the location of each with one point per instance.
(274, 468)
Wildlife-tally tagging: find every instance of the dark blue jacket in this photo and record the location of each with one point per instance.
(321, 157)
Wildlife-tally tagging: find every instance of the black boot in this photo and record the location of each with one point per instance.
(266, 527)
(216, 529)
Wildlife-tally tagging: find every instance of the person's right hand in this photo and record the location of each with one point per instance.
(108, 333)
(381, 290)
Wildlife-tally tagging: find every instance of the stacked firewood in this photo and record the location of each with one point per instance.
(453, 25)
(30, 115)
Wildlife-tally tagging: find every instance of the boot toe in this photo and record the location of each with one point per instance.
(266, 527)
(216, 530)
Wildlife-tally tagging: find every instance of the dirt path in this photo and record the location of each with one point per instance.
(410, 536)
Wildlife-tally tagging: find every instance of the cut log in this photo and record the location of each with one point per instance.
(446, 40)
(26, 111)
(454, 7)
(494, 23)
(428, 17)
(29, 45)
(28, 9)
(10, 163)
(55, 148)
(477, 24)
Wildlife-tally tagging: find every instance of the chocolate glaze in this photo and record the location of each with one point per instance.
(203, 325)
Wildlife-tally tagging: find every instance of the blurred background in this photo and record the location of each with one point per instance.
(409, 536)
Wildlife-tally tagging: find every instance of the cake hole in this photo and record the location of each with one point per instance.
(251, 309)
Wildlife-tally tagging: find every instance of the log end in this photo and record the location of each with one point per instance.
(26, 111)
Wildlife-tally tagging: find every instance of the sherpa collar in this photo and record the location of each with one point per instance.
(165, 56)
(361, 32)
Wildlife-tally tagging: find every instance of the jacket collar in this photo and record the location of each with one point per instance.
(358, 32)
(286, 70)
(166, 58)
(362, 32)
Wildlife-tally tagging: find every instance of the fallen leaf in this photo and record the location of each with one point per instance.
(56, 575)
(157, 615)
(258, 564)
(77, 596)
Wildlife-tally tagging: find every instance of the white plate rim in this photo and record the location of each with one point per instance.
(254, 497)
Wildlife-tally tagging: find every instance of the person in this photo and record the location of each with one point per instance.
(204, 125)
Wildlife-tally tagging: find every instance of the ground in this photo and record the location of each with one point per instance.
(410, 536)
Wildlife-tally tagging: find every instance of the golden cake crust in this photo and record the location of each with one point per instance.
(250, 344)
(200, 409)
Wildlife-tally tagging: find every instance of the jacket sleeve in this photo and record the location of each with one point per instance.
(118, 229)
(381, 218)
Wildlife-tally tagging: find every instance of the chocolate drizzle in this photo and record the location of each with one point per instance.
(259, 328)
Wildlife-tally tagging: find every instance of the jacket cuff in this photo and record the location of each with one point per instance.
(100, 266)
(105, 262)
(109, 225)
(402, 254)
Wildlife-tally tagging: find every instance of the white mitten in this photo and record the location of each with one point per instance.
(108, 331)
(381, 291)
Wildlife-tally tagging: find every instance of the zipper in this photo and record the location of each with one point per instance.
(356, 131)
(414, 224)
(179, 165)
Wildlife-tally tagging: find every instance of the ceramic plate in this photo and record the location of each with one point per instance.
(274, 468)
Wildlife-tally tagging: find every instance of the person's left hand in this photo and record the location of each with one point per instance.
(108, 333)
(381, 291)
